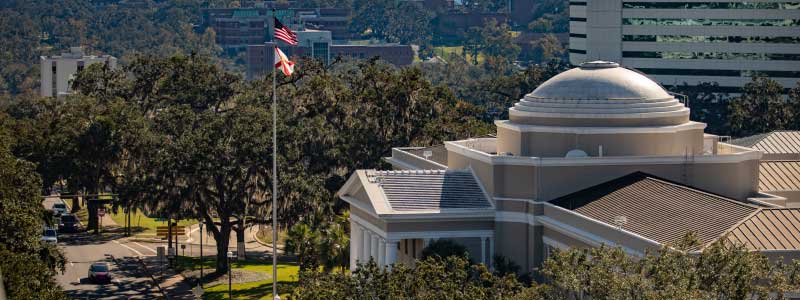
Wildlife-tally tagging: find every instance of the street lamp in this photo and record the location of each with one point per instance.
(230, 282)
(201, 253)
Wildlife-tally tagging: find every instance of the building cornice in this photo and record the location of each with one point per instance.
(457, 148)
(507, 124)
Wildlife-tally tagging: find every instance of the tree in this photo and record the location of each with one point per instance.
(760, 108)
(444, 248)
(547, 48)
(28, 265)
(706, 105)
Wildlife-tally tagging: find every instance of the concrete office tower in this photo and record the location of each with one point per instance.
(596, 155)
(676, 42)
(57, 71)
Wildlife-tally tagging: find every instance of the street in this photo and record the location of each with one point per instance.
(130, 280)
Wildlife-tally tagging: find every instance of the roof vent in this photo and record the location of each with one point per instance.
(576, 153)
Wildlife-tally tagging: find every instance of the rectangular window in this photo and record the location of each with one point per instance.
(320, 52)
(578, 35)
(710, 55)
(726, 73)
(572, 19)
(577, 3)
(578, 51)
(711, 39)
(712, 5)
(711, 22)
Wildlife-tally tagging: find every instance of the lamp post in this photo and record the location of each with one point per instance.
(230, 282)
(201, 254)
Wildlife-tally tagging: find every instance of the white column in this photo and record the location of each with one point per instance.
(355, 244)
(491, 252)
(391, 252)
(426, 242)
(374, 248)
(366, 242)
(381, 252)
(483, 250)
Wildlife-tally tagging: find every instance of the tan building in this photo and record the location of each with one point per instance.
(599, 154)
(779, 173)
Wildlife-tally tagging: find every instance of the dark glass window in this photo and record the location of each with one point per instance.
(577, 51)
(577, 3)
(709, 55)
(713, 5)
(711, 22)
(727, 73)
(711, 39)
(577, 35)
(577, 19)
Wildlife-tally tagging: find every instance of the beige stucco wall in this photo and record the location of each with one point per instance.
(553, 144)
(518, 242)
(440, 225)
(367, 217)
(737, 180)
(792, 197)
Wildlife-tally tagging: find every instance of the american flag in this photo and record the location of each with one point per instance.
(285, 34)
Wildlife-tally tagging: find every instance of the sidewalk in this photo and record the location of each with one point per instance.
(173, 285)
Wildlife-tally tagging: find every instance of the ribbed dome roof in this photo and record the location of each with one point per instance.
(599, 93)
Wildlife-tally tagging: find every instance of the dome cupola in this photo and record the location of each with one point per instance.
(599, 94)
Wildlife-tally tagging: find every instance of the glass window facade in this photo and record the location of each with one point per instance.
(726, 73)
(711, 22)
(713, 5)
(711, 39)
(321, 52)
(709, 55)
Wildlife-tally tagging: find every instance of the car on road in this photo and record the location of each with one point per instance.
(50, 235)
(100, 272)
(68, 223)
(59, 208)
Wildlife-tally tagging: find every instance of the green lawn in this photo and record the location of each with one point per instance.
(287, 279)
(143, 224)
(445, 51)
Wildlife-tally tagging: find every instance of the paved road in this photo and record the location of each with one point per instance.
(129, 280)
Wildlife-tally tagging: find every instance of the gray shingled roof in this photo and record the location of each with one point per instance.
(773, 142)
(658, 209)
(430, 189)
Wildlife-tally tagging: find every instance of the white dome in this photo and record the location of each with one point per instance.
(599, 93)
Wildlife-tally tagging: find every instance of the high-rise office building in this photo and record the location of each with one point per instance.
(691, 41)
(58, 70)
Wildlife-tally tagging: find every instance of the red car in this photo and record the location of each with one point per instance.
(100, 272)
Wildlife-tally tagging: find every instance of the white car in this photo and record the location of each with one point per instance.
(59, 208)
(50, 236)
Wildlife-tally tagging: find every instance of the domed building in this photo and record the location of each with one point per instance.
(599, 154)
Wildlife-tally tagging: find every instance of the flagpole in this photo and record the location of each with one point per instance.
(274, 184)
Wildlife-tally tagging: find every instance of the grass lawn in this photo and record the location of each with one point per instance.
(143, 224)
(287, 279)
(445, 51)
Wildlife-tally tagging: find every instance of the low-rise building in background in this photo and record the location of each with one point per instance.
(57, 71)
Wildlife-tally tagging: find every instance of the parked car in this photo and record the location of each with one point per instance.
(68, 223)
(59, 208)
(100, 272)
(50, 235)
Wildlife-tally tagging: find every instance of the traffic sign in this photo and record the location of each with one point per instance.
(101, 212)
(163, 231)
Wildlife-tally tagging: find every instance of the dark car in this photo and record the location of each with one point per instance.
(100, 272)
(69, 223)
